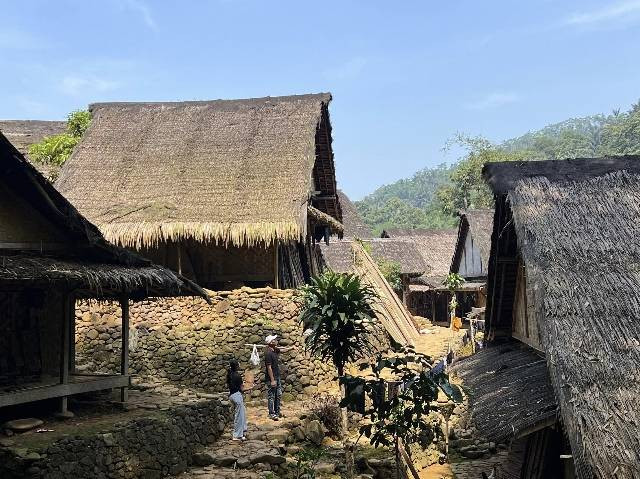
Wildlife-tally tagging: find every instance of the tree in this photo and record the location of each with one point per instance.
(468, 188)
(54, 150)
(403, 417)
(622, 137)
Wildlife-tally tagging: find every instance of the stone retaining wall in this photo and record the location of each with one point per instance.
(150, 447)
(189, 342)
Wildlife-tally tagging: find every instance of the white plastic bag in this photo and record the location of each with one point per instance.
(255, 357)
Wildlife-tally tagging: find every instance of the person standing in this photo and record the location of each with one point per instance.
(272, 376)
(236, 388)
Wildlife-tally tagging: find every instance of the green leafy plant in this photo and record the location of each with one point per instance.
(306, 459)
(403, 417)
(337, 310)
(55, 150)
(392, 273)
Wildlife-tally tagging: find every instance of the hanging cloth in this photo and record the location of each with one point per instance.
(255, 357)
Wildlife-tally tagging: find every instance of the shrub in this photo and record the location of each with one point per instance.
(326, 409)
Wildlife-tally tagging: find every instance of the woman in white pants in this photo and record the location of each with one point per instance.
(234, 382)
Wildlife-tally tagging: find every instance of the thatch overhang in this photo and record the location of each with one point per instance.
(575, 224)
(231, 172)
(479, 224)
(86, 261)
(436, 246)
(510, 391)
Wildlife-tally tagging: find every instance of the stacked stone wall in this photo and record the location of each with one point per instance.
(187, 341)
(150, 447)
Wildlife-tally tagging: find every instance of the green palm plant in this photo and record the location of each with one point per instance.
(337, 311)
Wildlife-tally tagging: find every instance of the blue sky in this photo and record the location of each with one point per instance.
(405, 76)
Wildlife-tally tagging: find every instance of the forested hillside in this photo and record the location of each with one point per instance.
(431, 197)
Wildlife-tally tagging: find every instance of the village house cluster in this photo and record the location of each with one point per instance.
(175, 232)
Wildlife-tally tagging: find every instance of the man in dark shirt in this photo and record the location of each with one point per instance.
(272, 376)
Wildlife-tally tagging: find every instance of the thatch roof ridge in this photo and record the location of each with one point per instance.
(502, 176)
(227, 171)
(91, 247)
(577, 235)
(220, 102)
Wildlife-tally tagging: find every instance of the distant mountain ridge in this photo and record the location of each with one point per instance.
(413, 202)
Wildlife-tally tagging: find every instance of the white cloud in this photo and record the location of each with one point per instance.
(615, 12)
(86, 84)
(349, 69)
(493, 100)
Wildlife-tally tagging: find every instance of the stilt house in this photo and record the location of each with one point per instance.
(226, 192)
(563, 315)
(49, 257)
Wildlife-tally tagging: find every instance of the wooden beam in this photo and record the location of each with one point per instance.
(40, 393)
(72, 335)
(124, 352)
(32, 246)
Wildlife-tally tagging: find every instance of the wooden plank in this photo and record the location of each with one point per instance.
(33, 246)
(62, 390)
(276, 261)
(64, 351)
(124, 352)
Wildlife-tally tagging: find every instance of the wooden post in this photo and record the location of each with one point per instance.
(72, 335)
(68, 310)
(433, 307)
(179, 258)
(124, 352)
(276, 281)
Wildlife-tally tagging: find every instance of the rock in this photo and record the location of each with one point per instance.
(224, 461)
(267, 458)
(277, 435)
(23, 425)
(6, 442)
(243, 463)
(314, 431)
(92, 334)
(204, 459)
(470, 452)
(325, 468)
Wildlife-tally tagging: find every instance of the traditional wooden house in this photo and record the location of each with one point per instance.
(49, 257)
(427, 296)
(226, 192)
(563, 288)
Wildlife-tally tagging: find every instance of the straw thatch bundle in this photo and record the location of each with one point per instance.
(88, 264)
(577, 227)
(435, 246)
(234, 172)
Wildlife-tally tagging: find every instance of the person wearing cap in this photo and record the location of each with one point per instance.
(272, 376)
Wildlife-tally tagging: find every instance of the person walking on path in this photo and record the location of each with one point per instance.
(272, 376)
(236, 388)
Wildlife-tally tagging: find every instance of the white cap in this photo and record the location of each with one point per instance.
(269, 339)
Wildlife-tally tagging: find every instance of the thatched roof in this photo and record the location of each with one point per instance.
(510, 391)
(89, 266)
(339, 255)
(235, 172)
(435, 246)
(24, 133)
(576, 223)
(354, 226)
